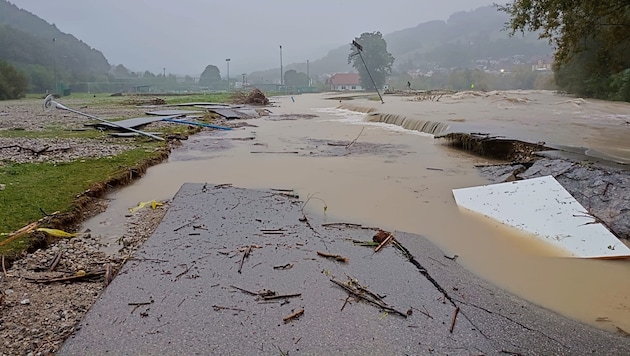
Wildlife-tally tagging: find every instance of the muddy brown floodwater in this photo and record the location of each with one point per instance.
(402, 180)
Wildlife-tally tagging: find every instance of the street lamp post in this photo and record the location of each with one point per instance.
(227, 60)
(55, 63)
(281, 73)
(308, 73)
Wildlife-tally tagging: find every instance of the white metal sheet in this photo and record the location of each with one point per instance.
(542, 207)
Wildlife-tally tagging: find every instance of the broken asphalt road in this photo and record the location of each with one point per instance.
(236, 271)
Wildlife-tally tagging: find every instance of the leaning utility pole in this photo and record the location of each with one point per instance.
(359, 50)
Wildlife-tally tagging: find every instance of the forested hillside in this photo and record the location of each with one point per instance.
(44, 54)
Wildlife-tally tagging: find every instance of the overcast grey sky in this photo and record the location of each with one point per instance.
(184, 36)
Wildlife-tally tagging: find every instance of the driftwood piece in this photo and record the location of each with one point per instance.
(296, 314)
(72, 278)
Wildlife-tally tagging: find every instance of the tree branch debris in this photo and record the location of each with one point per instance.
(337, 258)
(356, 290)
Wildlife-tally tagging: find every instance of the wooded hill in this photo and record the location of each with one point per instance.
(40, 50)
(465, 37)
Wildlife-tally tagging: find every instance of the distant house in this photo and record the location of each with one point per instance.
(543, 65)
(345, 81)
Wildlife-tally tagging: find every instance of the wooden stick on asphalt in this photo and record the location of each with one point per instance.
(293, 315)
(337, 258)
(454, 319)
(385, 242)
(245, 255)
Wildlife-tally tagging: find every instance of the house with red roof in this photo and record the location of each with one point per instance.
(345, 82)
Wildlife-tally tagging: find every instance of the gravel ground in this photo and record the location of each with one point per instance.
(35, 318)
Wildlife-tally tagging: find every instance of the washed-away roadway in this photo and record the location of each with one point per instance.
(183, 293)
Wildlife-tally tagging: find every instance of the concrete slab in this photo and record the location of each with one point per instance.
(178, 295)
(542, 207)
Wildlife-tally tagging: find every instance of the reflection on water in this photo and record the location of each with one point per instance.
(409, 192)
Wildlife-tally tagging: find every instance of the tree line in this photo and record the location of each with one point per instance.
(592, 41)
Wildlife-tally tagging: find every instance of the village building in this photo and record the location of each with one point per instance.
(345, 82)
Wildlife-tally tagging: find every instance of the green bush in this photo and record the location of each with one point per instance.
(13, 84)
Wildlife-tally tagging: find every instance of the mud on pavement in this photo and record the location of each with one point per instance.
(238, 271)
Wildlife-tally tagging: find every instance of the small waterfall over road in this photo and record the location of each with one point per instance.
(409, 123)
(406, 122)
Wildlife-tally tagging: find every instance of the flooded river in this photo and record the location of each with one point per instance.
(401, 180)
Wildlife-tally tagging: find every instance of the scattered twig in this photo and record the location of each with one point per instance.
(364, 243)
(141, 303)
(37, 152)
(186, 224)
(355, 140)
(294, 315)
(281, 296)
(344, 224)
(185, 271)
(73, 278)
(4, 270)
(19, 233)
(425, 312)
(431, 258)
(287, 266)
(290, 152)
(244, 290)
(344, 303)
(337, 258)
(55, 261)
(435, 169)
(218, 307)
(454, 320)
(385, 242)
(109, 274)
(359, 293)
(246, 253)
(452, 258)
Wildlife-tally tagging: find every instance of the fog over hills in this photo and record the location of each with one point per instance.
(184, 37)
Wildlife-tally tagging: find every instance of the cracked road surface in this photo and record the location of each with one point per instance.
(237, 271)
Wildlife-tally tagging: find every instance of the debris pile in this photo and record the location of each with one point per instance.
(138, 100)
(254, 97)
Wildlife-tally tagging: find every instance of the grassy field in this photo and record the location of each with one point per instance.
(30, 189)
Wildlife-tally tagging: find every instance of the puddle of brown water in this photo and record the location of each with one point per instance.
(395, 193)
